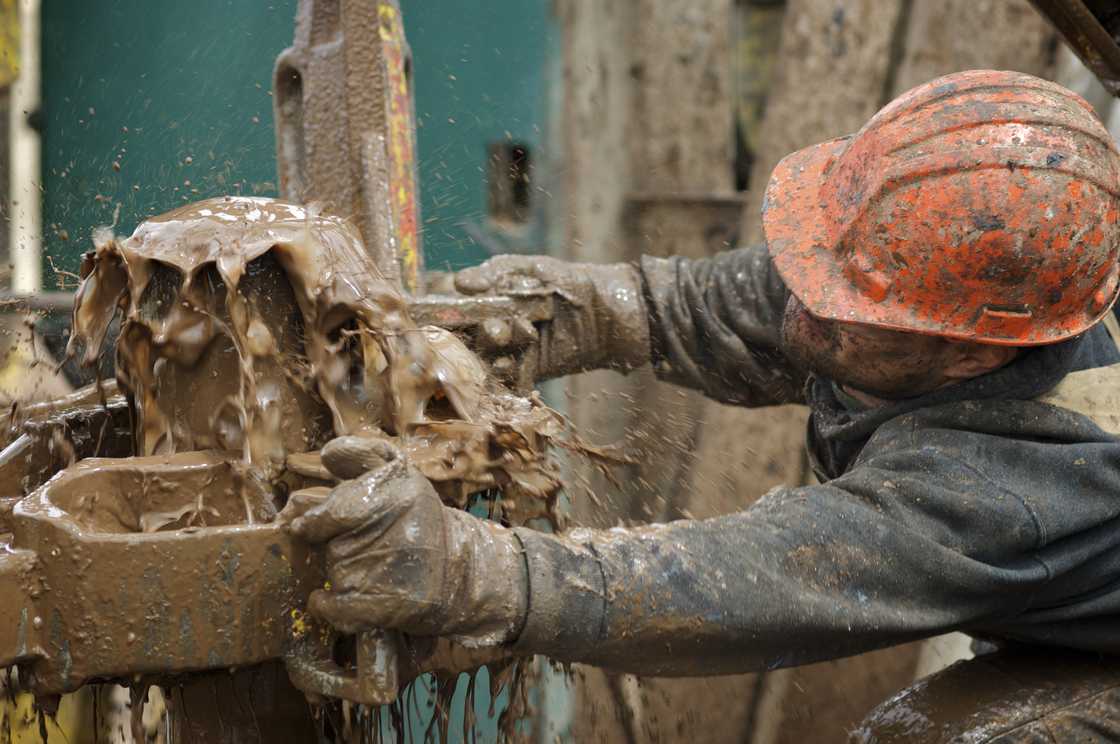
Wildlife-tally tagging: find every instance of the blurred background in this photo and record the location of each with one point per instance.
(590, 130)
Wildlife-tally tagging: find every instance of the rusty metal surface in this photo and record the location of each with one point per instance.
(183, 558)
(206, 590)
(40, 301)
(1020, 694)
(193, 597)
(171, 592)
(39, 446)
(373, 679)
(345, 129)
(186, 597)
(1091, 28)
(257, 705)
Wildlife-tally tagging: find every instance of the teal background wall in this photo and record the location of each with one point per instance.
(147, 85)
(481, 76)
(176, 95)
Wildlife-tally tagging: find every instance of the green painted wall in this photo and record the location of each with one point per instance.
(144, 86)
(481, 76)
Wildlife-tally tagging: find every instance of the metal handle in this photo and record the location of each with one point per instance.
(374, 679)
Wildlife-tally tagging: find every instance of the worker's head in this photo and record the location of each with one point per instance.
(978, 211)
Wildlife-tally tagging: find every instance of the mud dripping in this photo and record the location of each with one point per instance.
(262, 327)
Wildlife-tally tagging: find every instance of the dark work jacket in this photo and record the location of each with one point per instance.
(973, 508)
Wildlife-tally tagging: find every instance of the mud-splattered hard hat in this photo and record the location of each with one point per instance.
(981, 206)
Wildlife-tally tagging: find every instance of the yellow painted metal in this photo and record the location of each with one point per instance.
(9, 42)
(74, 723)
(402, 145)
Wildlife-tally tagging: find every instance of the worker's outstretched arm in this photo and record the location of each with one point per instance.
(712, 324)
(807, 574)
(912, 542)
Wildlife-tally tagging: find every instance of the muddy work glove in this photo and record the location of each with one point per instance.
(600, 320)
(397, 558)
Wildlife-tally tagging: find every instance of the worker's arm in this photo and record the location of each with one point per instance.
(912, 542)
(713, 324)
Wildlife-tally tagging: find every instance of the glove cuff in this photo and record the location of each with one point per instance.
(565, 596)
(488, 590)
(624, 327)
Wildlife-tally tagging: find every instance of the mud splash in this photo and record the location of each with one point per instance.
(263, 327)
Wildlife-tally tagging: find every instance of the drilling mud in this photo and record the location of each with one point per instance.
(154, 494)
(264, 328)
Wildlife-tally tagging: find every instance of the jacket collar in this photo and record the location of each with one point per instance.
(837, 431)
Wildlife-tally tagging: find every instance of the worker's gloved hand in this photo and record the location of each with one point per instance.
(397, 558)
(601, 316)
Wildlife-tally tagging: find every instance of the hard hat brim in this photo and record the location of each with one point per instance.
(795, 222)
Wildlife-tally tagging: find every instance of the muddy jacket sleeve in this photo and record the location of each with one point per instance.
(914, 541)
(715, 326)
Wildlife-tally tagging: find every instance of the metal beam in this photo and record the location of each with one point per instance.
(1083, 26)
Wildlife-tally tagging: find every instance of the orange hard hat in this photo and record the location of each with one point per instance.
(980, 206)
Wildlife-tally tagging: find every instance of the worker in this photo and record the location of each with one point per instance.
(933, 288)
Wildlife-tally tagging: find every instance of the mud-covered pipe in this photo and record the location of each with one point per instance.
(346, 130)
(1082, 25)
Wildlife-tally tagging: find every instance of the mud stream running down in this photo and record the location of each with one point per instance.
(262, 327)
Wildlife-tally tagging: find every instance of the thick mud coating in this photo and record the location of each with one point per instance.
(153, 494)
(263, 327)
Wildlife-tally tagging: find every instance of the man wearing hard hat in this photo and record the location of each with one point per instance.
(933, 287)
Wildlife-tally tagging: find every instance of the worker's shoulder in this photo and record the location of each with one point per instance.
(1048, 457)
(1014, 445)
(956, 470)
(1083, 409)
